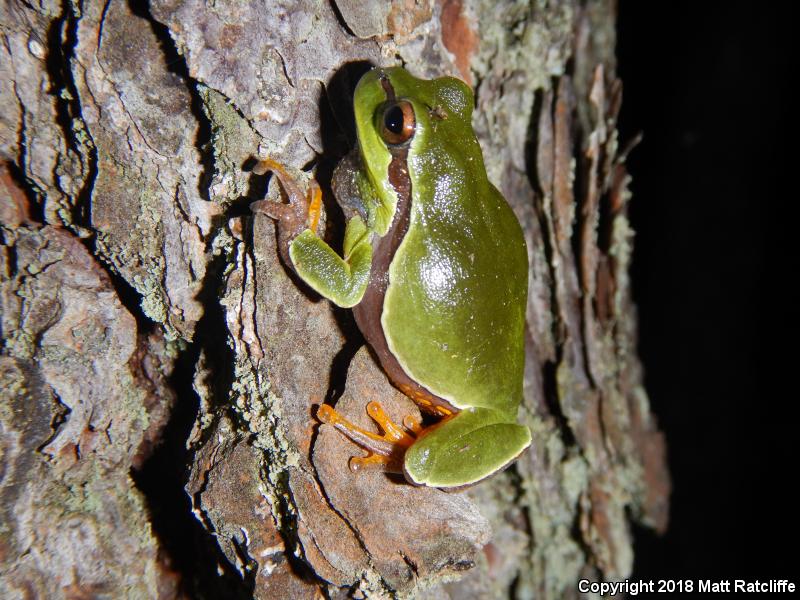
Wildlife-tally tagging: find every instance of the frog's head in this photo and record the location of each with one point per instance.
(398, 116)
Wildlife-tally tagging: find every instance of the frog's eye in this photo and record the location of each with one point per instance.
(398, 122)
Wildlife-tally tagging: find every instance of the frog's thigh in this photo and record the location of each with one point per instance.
(341, 281)
(465, 448)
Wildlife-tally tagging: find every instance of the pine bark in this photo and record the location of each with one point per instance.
(160, 367)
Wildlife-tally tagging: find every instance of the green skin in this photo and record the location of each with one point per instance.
(454, 310)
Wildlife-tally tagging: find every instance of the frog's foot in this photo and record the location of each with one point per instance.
(465, 448)
(386, 450)
(302, 212)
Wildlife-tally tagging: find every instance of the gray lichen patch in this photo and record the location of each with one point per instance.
(233, 142)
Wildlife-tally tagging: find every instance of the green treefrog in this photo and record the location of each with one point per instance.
(435, 268)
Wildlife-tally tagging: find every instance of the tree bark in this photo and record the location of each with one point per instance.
(160, 367)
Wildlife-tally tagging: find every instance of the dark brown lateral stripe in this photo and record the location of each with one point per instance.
(368, 312)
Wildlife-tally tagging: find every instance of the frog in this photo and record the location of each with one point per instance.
(435, 269)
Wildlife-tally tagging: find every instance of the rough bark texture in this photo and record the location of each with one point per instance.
(140, 300)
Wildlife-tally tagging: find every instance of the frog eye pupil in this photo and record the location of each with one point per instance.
(398, 123)
(393, 119)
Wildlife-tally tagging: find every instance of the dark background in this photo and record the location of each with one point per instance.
(708, 84)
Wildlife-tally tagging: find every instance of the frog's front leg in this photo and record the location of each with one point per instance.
(341, 280)
(301, 213)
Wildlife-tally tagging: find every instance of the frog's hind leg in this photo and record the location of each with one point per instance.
(386, 450)
(465, 448)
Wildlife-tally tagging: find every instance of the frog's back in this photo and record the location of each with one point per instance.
(454, 310)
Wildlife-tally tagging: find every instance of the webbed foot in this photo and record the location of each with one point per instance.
(386, 450)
